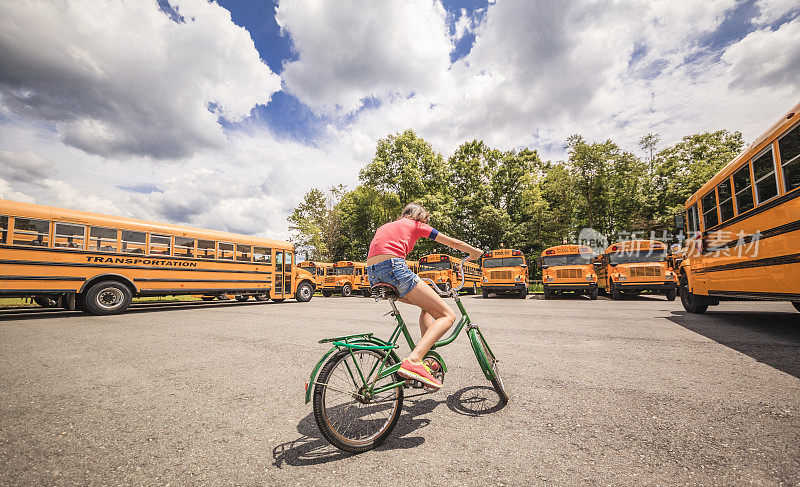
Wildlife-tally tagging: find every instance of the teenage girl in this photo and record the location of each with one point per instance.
(386, 263)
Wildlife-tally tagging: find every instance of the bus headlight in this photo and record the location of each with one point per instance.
(590, 277)
(517, 278)
(485, 279)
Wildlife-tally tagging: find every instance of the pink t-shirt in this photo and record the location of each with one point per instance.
(398, 237)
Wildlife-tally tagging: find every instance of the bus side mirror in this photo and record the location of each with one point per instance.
(524, 266)
(679, 221)
(676, 263)
(597, 264)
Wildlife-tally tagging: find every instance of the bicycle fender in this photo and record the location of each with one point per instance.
(438, 357)
(315, 371)
(370, 340)
(476, 347)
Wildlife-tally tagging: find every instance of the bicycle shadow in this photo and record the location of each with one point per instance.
(311, 448)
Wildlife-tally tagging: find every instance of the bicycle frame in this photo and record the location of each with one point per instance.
(366, 341)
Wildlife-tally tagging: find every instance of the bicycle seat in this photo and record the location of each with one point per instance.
(384, 291)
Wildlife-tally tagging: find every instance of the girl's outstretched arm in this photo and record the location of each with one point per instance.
(454, 243)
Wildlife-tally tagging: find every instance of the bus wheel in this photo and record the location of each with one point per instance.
(240, 297)
(547, 293)
(107, 298)
(207, 298)
(304, 292)
(616, 294)
(690, 301)
(260, 297)
(474, 289)
(485, 293)
(523, 293)
(593, 293)
(45, 302)
(796, 305)
(347, 291)
(671, 294)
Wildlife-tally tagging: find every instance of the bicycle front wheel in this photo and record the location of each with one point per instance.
(488, 363)
(348, 417)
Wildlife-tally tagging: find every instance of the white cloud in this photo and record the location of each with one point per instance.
(24, 166)
(772, 10)
(121, 78)
(751, 67)
(349, 50)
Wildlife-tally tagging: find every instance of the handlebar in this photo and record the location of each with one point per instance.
(453, 290)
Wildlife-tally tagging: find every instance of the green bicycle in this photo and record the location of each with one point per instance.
(356, 391)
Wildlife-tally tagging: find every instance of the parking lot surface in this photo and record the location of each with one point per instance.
(632, 392)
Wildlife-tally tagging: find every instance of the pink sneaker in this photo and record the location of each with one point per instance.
(419, 372)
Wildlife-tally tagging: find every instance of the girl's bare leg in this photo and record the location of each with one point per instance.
(442, 318)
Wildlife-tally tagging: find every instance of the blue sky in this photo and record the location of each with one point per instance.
(223, 114)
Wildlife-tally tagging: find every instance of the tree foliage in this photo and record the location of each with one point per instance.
(493, 198)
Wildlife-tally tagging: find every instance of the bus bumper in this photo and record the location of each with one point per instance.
(572, 286)
(647, 286)
(501, 288)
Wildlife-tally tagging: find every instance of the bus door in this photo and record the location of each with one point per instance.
(282, 288)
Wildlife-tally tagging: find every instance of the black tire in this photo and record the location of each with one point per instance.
(671, 294)
(347, 290)
(523, 293)
(327, 294)
(107, 298)
(242, 298)
(616, 293)
(207, 298)
(366, 292)
(261, 297)
(447, 287)
(547, 293)
(279, 300)
(484, 293)
(45, 302)
(690, 302)
(488, 360)
(796, 305)
(593, 293)
(304, 292)
(322, 415)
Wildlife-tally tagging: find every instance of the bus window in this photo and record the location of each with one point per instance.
(184, 247)
(789, 146)
(103, 239)
(725, 200)
(69, 236)
(133, 242)
(225, 251)
(262, 254)
(743, 188)
(503, 262)
(28, 231)
(244, 253)
(160, 244)
(709, 202)
(691, 220)
(3, 228)
(764, 174)
(206, 249)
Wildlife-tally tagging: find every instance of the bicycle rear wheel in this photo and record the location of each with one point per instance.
(345, 417)
(488, 363)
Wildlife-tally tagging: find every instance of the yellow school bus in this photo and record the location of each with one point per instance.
(444, 271)
(346, 277)
(413, 265)
(568, 268)
(317, 269)
(744, 225)
(634, 266)
(504, 271)
(98, 263)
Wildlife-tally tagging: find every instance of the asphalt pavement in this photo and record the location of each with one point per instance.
(609, 393)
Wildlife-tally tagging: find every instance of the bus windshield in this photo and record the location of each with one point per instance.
(568, 259)
(435, 266)
(637, 256)
(503, 262)
(343, 271)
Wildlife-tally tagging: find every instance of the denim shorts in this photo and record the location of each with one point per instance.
(394, 272)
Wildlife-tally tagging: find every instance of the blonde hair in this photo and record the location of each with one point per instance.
(415, 211)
